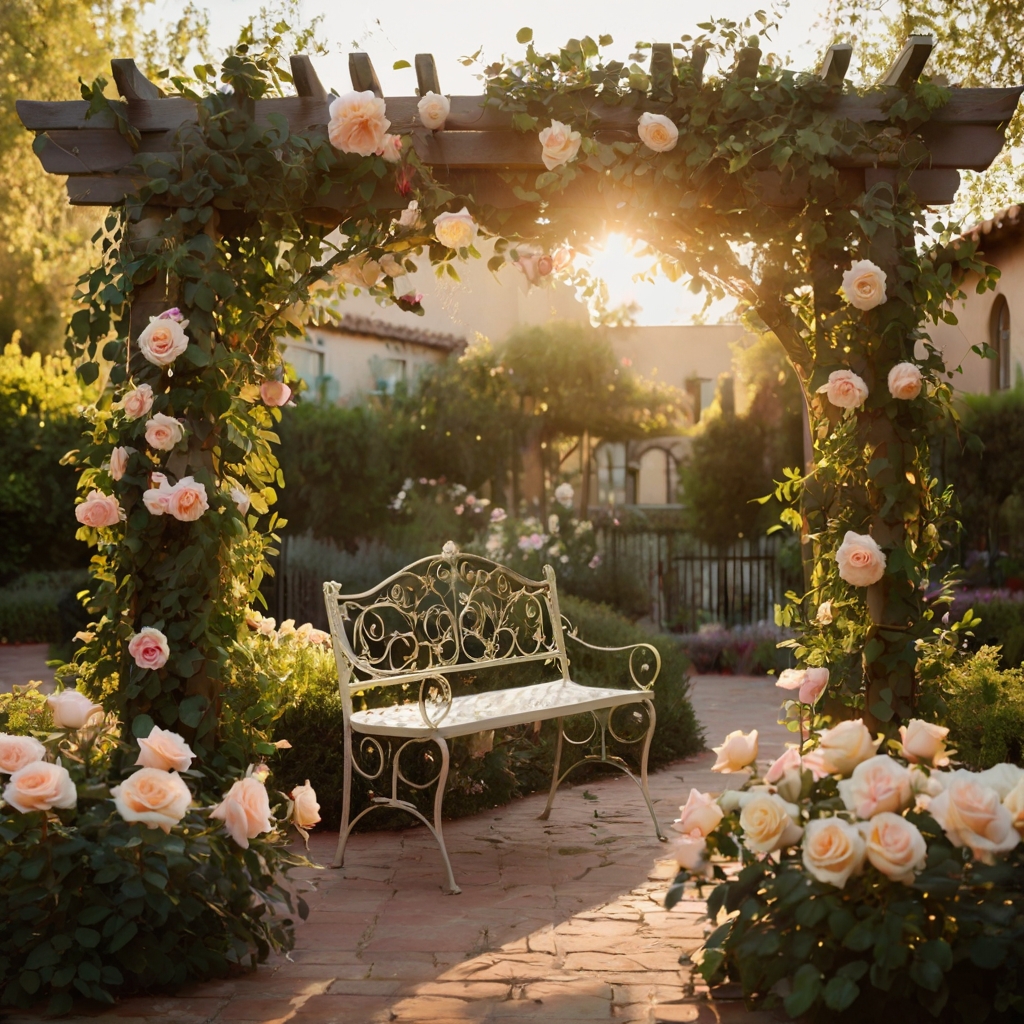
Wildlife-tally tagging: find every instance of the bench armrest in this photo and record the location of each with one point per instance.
(644, 659)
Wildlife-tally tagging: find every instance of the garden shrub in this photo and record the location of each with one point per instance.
(1002, 620)
(39, 608)
(743, 650)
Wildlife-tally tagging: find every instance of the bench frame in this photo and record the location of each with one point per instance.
(450, 614)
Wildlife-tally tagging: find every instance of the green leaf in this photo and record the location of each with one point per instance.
(926, 974)
(123, 936)
(191, 710)
(29, 982)
(840, 993)
(805, 991)
(88, 938)
(524, 35)
(860, 937)
(142, 726)
(400, 64)
(44, 955)
(987, 952)
(88, 372)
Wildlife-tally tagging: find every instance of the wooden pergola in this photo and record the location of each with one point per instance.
(479, 141)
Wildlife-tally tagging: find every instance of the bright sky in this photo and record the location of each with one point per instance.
(450, 29)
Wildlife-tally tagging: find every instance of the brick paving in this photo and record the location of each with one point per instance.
(22, 663)
(558, 921)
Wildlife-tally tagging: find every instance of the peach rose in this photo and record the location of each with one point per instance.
(165, 750)
(245, 811)
(156, 497)
(456, 230)
(905, 381)
(119, 461)
(972, 815)
(241, 498)
(391, 149)
(163, 340)
(811, 683)
(657, 132)
(40, 786)
(360, 271)
(737, 751)
(864, 285)
(861, 561)
(924, 743)
(186, 500)
(768, 823)
(562, 257)
(99, 510)
(18, 751)
(137, 403)
(559, 144)
(71, 709)
(157, 798)
(895, 846)
(700, 814)
(149, 648)
(878, 784)
(845, 389)
(1013, 802)
(690, 852)
(433, 110)
(163, 432)
(275, 393)
(833, 850)
(357, 123)
(845, 745)
(305, 809)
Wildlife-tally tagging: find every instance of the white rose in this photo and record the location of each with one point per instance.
(700, 814)
(833, 850)
(1001, 777)
(972, 815)
(456, 230)
(729, 800)
(658, 132)
(845, 745)
(433, 110)
(71, 709)
(564, 495)
(769, 823)
(163, 432)
(878, 784)
(559, 144)
(924, 743)
(845, 389)
(357, 123)
(905, 381)
(864, 285)
(410, 216)
(895, 846)
(1013, 802)
(737, 751)
(861, 561)
(163, 341)
(241, 499)
(690, 852)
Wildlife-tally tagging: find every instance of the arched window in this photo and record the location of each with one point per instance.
(1000, 341)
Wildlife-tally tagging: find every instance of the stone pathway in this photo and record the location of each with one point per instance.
(558, 921)
(22, 663)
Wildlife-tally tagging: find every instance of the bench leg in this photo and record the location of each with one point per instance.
(643, 769)
(442, 781)
(543, 816)
(346, 803)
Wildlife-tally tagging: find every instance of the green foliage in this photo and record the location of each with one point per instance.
(40, 608)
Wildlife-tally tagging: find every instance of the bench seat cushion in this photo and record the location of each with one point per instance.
(496, 709)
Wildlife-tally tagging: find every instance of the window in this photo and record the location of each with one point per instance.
(611, 473)
(388, 374)
(1000, 341)
(658, 481)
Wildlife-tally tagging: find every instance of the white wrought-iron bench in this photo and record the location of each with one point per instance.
(449, 614)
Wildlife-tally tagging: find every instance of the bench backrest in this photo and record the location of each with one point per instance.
(443, 615)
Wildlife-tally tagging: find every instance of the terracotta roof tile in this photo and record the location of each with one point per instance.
(365, 325)
(999, 227)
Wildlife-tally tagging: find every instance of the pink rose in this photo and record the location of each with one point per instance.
(155, 499)
(357, 123)
(391, 148)
(972, 815)
(305, 809)
(245, 811)
(811, 683)
(18, 751)
(157, 798)
(165, 750)
(275, 393)
(559, 145)
(41, 786)
(71, 709)
(700, 814)
(878, 784)
(318, 636)
(905, 381)
(657, 132)
(173, 314)
(163, 432)
(138, 402)
(845, 389)
(186, 500)
(99, 510)
(149, 648)
(163, 340)
(119, 461)
(861, 561)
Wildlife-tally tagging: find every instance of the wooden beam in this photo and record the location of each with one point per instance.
(306, 80)
(698, 58)
(836, 63)
(364, 78)
(907, 67)
(426, 74)
(131, 83)
(663, 71)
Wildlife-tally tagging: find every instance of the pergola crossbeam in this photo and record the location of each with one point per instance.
(907, 67)
(836, 63)
(364, 78)
(306, 80)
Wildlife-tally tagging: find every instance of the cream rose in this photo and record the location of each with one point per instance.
(824, 616)
(149, 648)
(924, 743)
(245, 811)
(186, 500)
(137, 403)
(811, 683)
(456, 230)
(1013, 802)
(972, 815)
(737, 751)
(864, 285)
(241, 499)
(833, 850)
(1001, 777)
(845, 389)
(689, 852)
(391, 148)
(845, 745)
(559, 144)
(433, 110)
(878, 784)
(357, 123)
(157, 798)
(905, 381)
(768, 823)
(895, 846)
(700, 814)
(99, 510)
(165, 750)
(71, 709)
(163, 340)
(18, 751)
(275, 393)
(163, 432)
(40, 786)
(657, 132)
(119, 461)
(861, 561)
(410, 217)
(305, 809)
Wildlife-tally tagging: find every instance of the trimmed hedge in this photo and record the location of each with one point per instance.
(41, 608)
